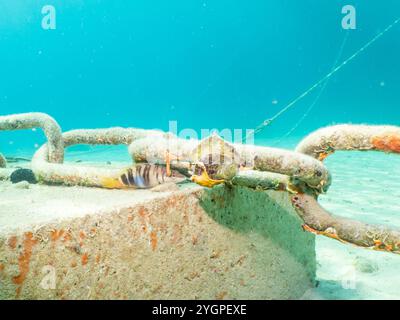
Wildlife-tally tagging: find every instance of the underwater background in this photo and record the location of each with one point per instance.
(220, 64)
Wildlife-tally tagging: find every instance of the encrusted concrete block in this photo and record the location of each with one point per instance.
(83, 243)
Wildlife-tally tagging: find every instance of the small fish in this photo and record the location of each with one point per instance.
(142, 176)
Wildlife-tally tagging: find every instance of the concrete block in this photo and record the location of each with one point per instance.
(85, 243)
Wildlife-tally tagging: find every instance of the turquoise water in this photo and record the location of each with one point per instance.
(206, 64)
(219, 64)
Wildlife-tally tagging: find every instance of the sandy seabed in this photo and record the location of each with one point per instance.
(366, 186)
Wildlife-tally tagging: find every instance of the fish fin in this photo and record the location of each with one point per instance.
(112, 183)
(205, 181)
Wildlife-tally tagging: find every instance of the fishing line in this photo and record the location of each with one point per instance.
(338, 57)
(267, 122)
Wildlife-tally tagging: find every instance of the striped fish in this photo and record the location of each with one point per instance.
(141, 176)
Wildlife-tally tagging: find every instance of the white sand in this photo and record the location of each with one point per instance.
(366, 186)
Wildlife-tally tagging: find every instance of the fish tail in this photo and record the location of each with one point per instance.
(112, 183)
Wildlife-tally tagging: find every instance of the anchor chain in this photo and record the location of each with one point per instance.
(300, 172)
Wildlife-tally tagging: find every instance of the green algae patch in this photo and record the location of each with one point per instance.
(264, 215)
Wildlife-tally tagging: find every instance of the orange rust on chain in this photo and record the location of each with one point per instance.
(389, 247)
(130, 218)
(56, 234)
(388, 142)
(323, 233)
(12, 242)
(323, 155)
(82, 237)
(378, 244)
(381, 246)
(98, 257)
(24, 261)
(311, 230)
(153, 240)
(73, 264)
(85, 258)
(1, 267)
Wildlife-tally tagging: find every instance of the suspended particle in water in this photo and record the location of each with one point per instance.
(274, 101)
(382, 83)
(10, 142)
(36, 145)
(34, 129)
